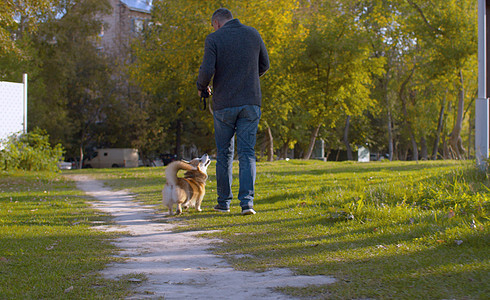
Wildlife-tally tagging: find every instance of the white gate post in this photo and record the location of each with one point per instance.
(25, 104)
(481, 109)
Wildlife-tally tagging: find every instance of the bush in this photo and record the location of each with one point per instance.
(30, 152)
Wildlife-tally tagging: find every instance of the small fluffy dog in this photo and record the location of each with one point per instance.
(189, 190)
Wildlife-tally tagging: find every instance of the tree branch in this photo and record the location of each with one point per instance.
(423, 17)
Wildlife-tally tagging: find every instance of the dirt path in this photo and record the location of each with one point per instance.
(178, 265)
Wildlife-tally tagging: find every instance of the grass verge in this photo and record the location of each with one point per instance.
(400, 230)
(47, 247)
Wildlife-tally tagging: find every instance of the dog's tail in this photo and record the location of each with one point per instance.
(173, 168)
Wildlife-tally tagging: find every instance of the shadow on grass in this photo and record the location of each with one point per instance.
(385, 264)
(44, 265)
(354, 168)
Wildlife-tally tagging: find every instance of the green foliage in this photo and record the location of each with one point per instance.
(335, 70)
(18, 18)
(168, 56)
(70, 88)
(329, 60)
(30, 152)
(73, 90)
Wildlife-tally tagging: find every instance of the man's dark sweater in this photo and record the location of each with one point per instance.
(236, 55)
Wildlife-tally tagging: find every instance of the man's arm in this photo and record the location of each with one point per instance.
(207, 69)
(263, 59)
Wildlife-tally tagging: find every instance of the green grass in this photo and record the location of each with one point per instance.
(47, 247)
(399, 230)
(385, 230)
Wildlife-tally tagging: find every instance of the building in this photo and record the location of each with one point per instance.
(127, 19)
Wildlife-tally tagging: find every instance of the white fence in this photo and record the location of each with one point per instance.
(13, 108)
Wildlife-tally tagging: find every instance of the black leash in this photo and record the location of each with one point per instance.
(203, 101)
(204, 94)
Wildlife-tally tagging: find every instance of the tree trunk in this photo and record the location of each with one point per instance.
(285, 150)
(471, 123)
(440, 124)
(80, 164)
(346, 139)
(388, 108)
(328, 153)
(390, 136)
(396, 151)
(270, 143)
(445, 148)
(455, 141)
(263, 145)
(424, 155)
(314, 135)
(178, 139)
(470, 129)
(415, 151)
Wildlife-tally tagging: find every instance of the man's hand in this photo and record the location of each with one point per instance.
(199, 92)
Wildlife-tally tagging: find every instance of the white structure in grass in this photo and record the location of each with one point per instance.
(482, 106)
(13, 108)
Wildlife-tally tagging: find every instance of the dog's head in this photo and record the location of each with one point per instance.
(201, 163)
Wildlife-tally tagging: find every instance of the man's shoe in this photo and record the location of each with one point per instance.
(220, 209)
(249, 211)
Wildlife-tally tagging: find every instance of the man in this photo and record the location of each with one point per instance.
(236, 56)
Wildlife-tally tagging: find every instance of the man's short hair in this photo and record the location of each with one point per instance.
(222, 14)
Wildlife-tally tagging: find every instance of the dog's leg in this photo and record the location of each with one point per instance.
(179, 209)
(170, 212)
(198, 203)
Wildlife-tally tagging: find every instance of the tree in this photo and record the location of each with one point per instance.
(282, 33)
(21, 18)
(74, 81)
(449, 30)
(169, 56)
(335, 66)
(167, 61)
(383, 23)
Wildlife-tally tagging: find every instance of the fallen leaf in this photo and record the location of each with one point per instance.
(51, 247)
(69, 289)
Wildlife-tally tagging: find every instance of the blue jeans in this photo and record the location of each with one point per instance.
(242, 121)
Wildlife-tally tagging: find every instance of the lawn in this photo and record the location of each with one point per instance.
(47, 247)
(385, 230)
(400, 230)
